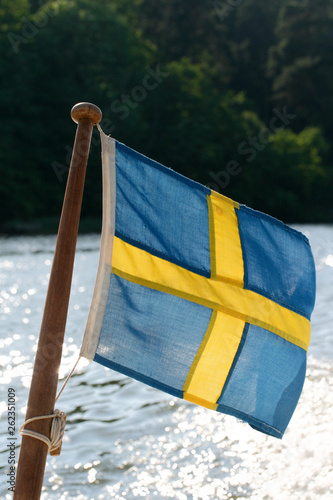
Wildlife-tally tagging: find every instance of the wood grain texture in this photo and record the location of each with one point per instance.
(44, 383)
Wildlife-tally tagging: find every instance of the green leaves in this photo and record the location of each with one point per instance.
(237, 95)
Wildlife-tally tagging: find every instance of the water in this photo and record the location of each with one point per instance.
(126, 440)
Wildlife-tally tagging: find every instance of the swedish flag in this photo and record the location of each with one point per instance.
(199, 296)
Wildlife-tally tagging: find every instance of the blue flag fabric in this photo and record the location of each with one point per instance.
(199, 296)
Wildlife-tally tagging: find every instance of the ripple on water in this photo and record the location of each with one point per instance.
(126, 440)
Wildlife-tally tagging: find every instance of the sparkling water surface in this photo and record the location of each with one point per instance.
(126, 440)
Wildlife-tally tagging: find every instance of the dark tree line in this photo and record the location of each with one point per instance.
(236, 94)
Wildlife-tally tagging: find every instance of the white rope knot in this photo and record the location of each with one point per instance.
(57, 430)
(57, 427)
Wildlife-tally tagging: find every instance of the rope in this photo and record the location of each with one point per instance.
(67, 379)
(58, 423)
(57, 430)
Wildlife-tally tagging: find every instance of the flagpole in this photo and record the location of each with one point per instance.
(33, 452)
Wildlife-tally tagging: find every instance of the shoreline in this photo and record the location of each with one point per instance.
(47, 225)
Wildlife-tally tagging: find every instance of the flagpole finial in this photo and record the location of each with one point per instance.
(86, 110)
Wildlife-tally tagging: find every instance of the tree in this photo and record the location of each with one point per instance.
(185, 83)
(288, 178)
(251, 34)
(301, 63)
(85, 51)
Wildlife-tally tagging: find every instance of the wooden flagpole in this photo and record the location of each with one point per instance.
(33, 453)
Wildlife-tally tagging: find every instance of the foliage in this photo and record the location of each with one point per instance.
(200, 86)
